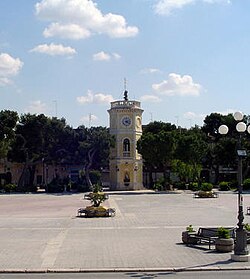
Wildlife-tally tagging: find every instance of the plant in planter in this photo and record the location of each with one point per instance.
(185, 235)
(97, 197)
(224, 186)
(246, 184)
(10, 188)
(224, 243)
(190, 228)
(247, 228)
(206, 191)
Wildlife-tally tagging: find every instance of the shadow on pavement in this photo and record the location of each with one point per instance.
(201, 247)
(218, 263)
(147, 275)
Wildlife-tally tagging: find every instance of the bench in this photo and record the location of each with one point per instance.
(207, 236)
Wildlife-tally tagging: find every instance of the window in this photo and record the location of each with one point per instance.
(126, 145)
(126, 148)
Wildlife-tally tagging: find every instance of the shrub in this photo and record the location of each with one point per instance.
(247, 227)
(10, 188)
(31, 188)
(190, 228)
(223, 233)
(97, 196)
(180, 185)
(205, 186)
(194, 186)
(158, 186)
(55, 186)
(234, 184)
(224, 186)
(246, 184)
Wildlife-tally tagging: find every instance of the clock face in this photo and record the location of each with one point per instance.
(126, 121)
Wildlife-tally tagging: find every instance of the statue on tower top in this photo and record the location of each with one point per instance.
(126, 95)
(125, 90)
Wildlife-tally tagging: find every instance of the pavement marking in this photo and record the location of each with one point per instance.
(52, 249)
(107, 228)
(128, 228)
(130, 215)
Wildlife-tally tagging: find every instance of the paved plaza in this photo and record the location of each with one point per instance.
(42, 232)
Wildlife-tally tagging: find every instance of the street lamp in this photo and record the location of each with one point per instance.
(240, 249)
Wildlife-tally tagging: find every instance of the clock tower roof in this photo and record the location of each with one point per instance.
(126, 104)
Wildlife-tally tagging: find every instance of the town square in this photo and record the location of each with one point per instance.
(41, 232)
(124, 139)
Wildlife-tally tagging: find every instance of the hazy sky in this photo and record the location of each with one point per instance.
(183, 59)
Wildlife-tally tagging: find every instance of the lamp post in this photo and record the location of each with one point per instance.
(240, 249)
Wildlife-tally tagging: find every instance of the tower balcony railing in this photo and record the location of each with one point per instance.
(125, 104)
(126, 154)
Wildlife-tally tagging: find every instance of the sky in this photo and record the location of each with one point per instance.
(182, 59)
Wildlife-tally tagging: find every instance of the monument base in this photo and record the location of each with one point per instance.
(240, 258)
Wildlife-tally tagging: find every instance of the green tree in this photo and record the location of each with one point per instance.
(51, 140)
(29, 147)
(221, 148)
(191, 150)
(39, 138)
(8, 121)
(95, 149)
(158, 126)
(62, 142)
(157, 146)
(186, 172)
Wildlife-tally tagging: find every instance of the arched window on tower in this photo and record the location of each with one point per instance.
(126, 148)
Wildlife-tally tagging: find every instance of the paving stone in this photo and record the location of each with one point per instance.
(39, 232)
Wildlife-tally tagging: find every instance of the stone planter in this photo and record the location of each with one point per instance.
(224, 245)
(100, 211)
(248, 237)
(186, 239)
(206, 194)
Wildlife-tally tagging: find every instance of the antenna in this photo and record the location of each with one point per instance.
(90, 119)
(177, 121)
(125, 84)
(151, 116)
(190, 122)
(55, 101)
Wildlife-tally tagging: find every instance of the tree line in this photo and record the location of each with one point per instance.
(31, 138)
(193, 153)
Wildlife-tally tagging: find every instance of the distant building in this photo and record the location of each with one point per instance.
(10, 172)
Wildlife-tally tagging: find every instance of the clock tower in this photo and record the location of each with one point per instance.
(125, 162)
